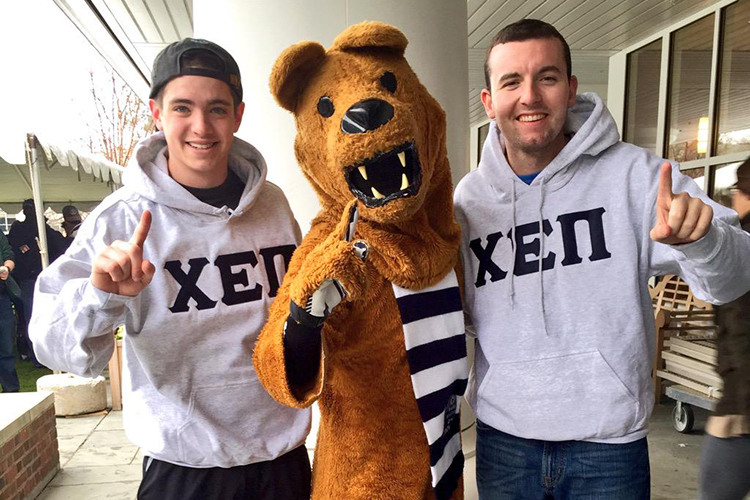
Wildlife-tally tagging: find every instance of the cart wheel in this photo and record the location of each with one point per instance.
(683, 418)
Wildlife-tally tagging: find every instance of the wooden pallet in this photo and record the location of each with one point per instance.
(689, 362)
(714, 392)
(707, 378)
(703, 350)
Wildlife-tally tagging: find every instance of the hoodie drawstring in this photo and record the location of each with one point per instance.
(513, 244)
(541, 256)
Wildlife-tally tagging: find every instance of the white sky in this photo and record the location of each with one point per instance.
(44, 87)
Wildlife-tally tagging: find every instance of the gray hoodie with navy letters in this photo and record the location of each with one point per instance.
(566, 353)
(191, 395)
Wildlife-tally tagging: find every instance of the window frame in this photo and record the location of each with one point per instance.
(618, 87)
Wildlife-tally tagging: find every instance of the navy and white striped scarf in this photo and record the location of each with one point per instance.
(436, 350)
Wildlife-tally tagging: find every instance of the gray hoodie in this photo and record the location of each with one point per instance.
(191, 395)
(566, 353)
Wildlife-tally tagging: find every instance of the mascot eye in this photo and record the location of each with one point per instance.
(388, 80)
(325, 106)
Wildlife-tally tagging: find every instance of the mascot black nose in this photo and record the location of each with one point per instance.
(366, 115)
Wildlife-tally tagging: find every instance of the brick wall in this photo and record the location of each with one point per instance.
(29, 460)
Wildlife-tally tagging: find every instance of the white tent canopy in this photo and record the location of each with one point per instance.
(41, 158)
(66, 176)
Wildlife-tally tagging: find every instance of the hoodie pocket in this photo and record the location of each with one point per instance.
(570, 397)
(234, 424)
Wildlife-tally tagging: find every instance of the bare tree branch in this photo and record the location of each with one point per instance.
(123, 119)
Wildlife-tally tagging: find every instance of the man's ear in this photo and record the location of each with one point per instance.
(238, 116)
(487, 102)
(573, 91)
(371, 35)
(155, 112)
(292, 71)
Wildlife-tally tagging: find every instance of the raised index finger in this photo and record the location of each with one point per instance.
(141, 231)
(665, 182)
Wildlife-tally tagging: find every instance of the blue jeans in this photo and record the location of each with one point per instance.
(513, 468)
(8, 375)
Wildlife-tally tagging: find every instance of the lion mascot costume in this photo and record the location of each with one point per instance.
(368, 320)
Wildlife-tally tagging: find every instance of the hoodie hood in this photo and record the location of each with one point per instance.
(147, 174)
(593, 130)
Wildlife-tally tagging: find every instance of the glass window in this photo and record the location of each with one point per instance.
(642, 108)
(690, 82)
(482, 136)
(698, 174)
(725, 176)
(734, 83)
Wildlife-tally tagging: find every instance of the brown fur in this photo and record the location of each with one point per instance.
(371, 443)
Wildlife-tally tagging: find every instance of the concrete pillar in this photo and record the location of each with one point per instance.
(256, 32)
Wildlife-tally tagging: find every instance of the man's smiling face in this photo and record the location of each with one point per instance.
(529, 95)
(199, 120)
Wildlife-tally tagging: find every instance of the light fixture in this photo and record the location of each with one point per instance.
(703, 135)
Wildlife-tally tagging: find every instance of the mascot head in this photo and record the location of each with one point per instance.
(366, 127)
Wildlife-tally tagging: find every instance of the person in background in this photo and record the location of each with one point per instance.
(725, 456)
(71, 222)
(24, 238)
(8, 375)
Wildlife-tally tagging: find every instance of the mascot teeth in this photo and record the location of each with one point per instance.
(386, 176)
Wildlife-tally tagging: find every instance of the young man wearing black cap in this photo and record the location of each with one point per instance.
(193, 294)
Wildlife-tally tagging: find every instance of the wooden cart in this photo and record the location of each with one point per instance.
(685, 398)
(686, 353)
(685, 325)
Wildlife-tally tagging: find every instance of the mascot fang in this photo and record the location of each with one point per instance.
(368, 320)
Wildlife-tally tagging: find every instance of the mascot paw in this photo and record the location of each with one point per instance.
(333, 272)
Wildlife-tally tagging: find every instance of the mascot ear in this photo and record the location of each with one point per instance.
(292, 70)
(371, 34)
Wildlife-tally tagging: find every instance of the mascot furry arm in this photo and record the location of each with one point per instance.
(382, 300)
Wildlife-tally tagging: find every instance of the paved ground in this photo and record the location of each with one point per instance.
(99, 463)
(97, 460)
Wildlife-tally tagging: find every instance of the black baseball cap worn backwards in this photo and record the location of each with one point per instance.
(194, 56)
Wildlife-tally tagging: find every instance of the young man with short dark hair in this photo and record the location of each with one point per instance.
(562, 226)
(188, 255)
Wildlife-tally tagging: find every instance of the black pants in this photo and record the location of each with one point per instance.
(286, 478)
(724, 468)
(27, 299)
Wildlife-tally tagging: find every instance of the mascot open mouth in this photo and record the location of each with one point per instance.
(386, 176)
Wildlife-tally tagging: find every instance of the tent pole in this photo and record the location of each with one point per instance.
(33, 161)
